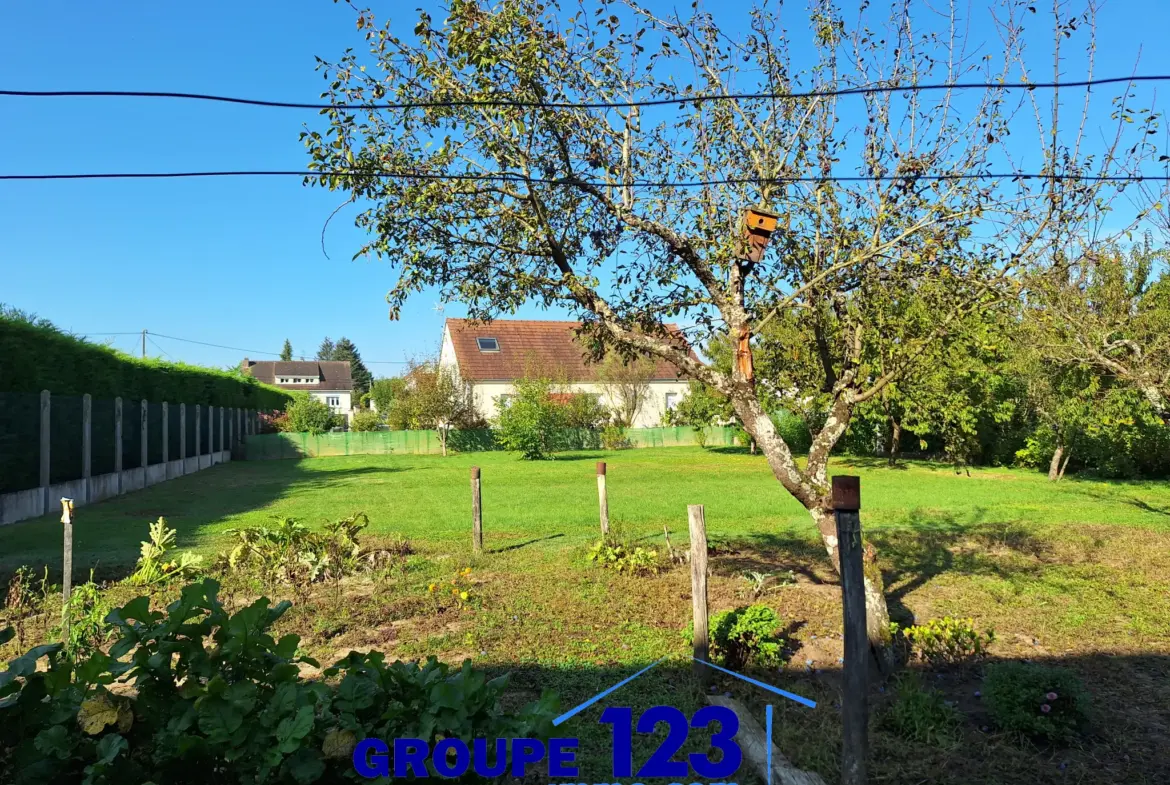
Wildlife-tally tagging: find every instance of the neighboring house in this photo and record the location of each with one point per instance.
(325, 380)
(490, 357)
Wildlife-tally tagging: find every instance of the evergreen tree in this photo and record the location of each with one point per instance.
(345, 349)
(327, 350)
(286, 351)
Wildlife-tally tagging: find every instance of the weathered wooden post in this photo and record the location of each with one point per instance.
(46, 441)
(67, 555)
(603, 499)
(854, 700)
(476, 513)
(118, 441)
(86, 446)
(698, 527)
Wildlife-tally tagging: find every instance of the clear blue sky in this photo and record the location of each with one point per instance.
(235, 262)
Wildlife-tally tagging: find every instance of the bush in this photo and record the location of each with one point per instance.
(365, 420)
(946, 641)
(920, 713)
(529, 421)
(613, 437)
(583, 410)
(746, 635)
(793, 431)
(306, 413)
(217, 693)
(1036, 701)
(613, 555)
(292, 553)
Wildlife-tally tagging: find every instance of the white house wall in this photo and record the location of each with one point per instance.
(345, 402)
(649, 416)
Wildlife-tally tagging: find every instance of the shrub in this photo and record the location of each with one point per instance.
(155, 566)
(82, 621)
(583, 410)
(218, 693)
(613, 437)
(701, 436)
(614, 555)
(920, 713)
(528, 422)
(25, 597)
(946, 641)
(793, 431)
(1036, 701)
(305, 413)
(746, 635)
(365, 420)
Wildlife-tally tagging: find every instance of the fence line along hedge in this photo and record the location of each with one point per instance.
(307, 445)
(35, 358)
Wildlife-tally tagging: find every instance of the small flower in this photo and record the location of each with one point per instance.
(1051, 696)
(432, 588)
(1045, 708)
(463, 595)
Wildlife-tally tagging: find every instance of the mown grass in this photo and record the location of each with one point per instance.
(1073, 572)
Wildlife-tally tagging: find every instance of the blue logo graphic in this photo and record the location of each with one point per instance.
(451, 758)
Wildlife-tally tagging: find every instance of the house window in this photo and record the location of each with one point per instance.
(488, 344)
(283, 380)
(671, 401)
(333, 400)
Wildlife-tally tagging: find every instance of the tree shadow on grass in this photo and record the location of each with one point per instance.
(107, 534)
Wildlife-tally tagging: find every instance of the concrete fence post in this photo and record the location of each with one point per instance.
(166, 437)
(45, 442)
(210, 435)
(182, 439)
(118, 441)
(143, 452)
(222, 445)
(86, 447)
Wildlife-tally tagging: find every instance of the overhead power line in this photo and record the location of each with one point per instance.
(517, 178)
(512, 102)
(235, 349)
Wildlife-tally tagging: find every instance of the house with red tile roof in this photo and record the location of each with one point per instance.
(491, 356)
(326, 380)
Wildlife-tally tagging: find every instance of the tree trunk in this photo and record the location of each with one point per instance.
(1064, 465)
(1054, 465)
(877, 614)
(895, 440)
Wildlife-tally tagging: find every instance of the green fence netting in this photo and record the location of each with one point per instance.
(65, 437)
(276, 446)
(20, 441)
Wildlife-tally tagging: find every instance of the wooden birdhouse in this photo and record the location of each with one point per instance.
(758, 225)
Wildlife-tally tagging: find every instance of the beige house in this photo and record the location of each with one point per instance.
(326, 380)
(491, 357)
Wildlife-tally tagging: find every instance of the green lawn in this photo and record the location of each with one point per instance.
(1074, 572)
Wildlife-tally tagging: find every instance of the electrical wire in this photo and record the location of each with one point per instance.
(254, 351)
(155, 345)
(516, 178)
(510, 102)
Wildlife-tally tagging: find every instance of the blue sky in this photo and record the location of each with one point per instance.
(235, 262)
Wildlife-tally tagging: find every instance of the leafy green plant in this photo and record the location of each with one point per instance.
(1036, 701)
(365, 420)
(529, 420)
(945, 641)
(614, 437)
(615, 555)
(751, 634)
(920, 714)
(306, 414)
(83, 621)
(757, 582)
(217, 692)
(25, 597)
(155, 566)
(460, 590)
(291, 552)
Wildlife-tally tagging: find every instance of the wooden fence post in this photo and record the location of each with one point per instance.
(86, 446)
(45, 443)
(182, 439)
(476, 513)
(854, 699)
(698, 530)
(143, 452)
(118, 441)
(67, 555)
(603, 499)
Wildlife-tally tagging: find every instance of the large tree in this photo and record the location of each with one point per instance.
(286, 350)
(345, 349)
(630, 217)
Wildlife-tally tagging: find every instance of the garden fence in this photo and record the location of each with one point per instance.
(86, 449)
(276, 446)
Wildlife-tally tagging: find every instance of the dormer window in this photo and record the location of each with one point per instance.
(488, 344)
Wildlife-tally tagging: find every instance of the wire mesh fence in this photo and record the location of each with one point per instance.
(131, 435)
(65, 437)
(154, 431)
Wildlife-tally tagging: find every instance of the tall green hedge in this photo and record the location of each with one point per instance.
(35, 357)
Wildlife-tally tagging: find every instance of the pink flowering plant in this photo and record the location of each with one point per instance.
(1036, 701)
